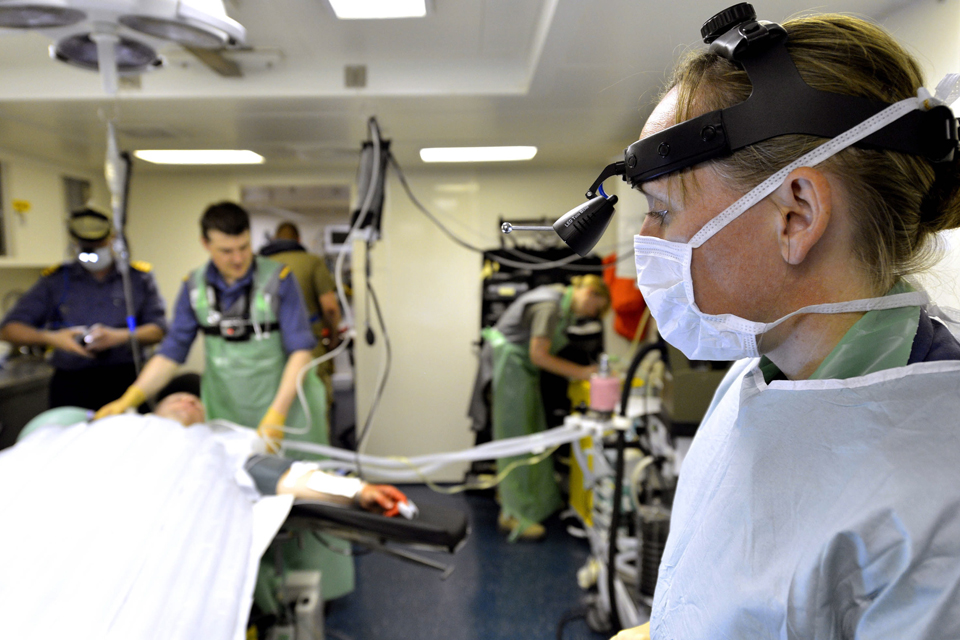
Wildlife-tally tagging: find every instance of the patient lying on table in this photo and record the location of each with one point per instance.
(134, 527)
(276, 475)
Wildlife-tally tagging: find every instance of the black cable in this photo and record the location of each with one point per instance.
(375, 177)
(618, 483)
(660, 346)
(340, 552)
(584, 268)
(538, 265)
(612, 538)
(570, 616)
(386, 373)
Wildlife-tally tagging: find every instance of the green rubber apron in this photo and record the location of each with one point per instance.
(239, 383)
(529, 493)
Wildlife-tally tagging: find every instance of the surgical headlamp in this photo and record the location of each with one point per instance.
(781, 103)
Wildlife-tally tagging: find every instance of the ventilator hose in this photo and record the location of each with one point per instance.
(660, 346)
(614, 525)
(618, 480)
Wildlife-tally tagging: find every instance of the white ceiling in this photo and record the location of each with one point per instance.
(573, 77)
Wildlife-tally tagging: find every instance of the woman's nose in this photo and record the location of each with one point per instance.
(651, 227)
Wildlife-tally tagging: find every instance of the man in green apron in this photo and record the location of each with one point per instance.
(257, 338)
(524, 341)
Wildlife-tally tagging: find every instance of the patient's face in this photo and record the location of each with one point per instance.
(183, 407)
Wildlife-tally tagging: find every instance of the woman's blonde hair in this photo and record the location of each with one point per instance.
(886, 189)
(596, 284)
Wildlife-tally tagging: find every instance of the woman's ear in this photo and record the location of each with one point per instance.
(805, 201)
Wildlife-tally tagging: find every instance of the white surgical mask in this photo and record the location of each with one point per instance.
(97, 260)
(663, 267)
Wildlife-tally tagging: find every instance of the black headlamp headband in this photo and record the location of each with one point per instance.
(781, 103)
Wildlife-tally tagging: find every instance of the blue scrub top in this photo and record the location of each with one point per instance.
(70, 296)
(295, 331)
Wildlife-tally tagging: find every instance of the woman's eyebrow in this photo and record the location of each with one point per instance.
(642, 189)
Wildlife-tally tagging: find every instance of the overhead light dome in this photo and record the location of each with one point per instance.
(132, 56)
(182, 33)
(38, 16)
(192, 23)
(119, 34)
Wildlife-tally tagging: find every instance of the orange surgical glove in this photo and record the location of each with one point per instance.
(132, 398)
(380, 498)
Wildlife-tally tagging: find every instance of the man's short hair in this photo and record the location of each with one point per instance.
(184, 383)
(225, 217)
(287, 231)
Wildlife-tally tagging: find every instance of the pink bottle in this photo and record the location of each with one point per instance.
(604, 388)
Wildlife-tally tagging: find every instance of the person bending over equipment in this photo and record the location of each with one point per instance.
(524, 341)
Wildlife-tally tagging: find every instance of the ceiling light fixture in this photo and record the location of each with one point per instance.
(477, 154)
(378, 9)
(47, 15)
(199, 156)
(122, 34)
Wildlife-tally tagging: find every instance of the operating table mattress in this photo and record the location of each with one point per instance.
(434, 526)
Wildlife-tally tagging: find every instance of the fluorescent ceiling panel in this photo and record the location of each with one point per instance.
(199, 156)
(477, 154)
(378, 9)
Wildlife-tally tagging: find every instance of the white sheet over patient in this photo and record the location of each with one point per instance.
(133, 527)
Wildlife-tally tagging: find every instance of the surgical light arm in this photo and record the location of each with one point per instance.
(117, 173)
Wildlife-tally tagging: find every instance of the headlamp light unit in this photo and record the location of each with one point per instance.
(781, 103)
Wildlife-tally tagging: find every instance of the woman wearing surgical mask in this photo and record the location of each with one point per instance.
(77, 310)
(819, 498)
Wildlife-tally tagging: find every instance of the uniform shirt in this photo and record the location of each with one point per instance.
(535, 314)
(70, 296)
(882, 339)
(295, 330)
(314, 279)
(542, 318)
(310, 271)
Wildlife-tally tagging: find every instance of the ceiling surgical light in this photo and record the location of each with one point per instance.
(122, 34)
(199, 156)
(191, 23)
(378, 9)
(81, 51)
(33, 15)
(477, 154)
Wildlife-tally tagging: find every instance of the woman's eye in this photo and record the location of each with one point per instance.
(658, 215)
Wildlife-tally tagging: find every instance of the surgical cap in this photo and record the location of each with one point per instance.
(88, 225)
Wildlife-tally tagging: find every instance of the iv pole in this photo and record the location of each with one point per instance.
(116, 170)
